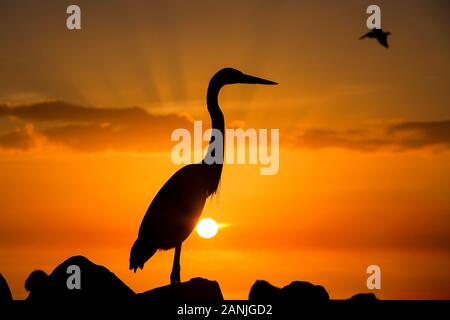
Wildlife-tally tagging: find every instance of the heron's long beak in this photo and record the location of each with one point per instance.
(251, 79)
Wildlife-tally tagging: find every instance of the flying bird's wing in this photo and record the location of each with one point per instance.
(382, 39)
(365, 35)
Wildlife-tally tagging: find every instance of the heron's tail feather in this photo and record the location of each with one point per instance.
(140, 253)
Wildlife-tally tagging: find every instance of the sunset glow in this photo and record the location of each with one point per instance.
(364, 147)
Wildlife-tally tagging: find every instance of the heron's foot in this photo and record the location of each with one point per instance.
(175, 276)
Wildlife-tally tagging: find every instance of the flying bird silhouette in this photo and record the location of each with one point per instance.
(176, 208)
(378, 34)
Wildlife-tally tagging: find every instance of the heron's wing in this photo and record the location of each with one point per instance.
(177, 201)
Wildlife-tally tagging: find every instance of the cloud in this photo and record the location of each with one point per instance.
(91, 129)
(20, 139)
(397, 137)
(56, 111)
(421, 134)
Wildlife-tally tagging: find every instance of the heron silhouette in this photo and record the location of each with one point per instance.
(378, 34)
(176, 208)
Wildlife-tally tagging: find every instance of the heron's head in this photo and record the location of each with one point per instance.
(232, 76)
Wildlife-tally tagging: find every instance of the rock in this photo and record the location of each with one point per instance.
(196, 289)
(364, 297)
(304, 291)
(97, 284)
(5, 293)
(296, 292)
(264, 291)
(37, 284)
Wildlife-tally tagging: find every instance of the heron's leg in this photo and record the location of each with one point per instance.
(175, 275)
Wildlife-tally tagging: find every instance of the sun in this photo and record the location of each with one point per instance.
(207, 228)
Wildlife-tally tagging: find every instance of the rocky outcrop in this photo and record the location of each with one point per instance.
(295, 292)
(196, 289)
(5, 293)
(96, 283)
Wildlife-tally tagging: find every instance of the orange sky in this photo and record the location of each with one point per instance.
(86, 117)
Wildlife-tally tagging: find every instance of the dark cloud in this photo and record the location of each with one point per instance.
(56, 111)
(401, 136)
(92, 129)
(326, 138)
(421, 134)
(134, 129)
(20, 139)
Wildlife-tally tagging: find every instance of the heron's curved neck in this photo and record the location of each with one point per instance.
(217, 122)
(212, 101)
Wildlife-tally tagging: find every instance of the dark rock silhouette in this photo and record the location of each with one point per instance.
(304, 291)
(298, 299)
(196, 289)
(264, 291)
(37, 284)
(97, 283)
(364, 297)
(293, 300)
(5, 293)
(296, 292)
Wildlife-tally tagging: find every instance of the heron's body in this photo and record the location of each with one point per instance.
(175, 210)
